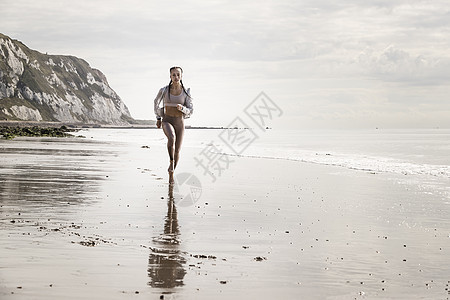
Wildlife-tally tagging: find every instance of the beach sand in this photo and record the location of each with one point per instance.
(89, 219)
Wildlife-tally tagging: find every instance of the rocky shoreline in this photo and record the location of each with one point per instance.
(12, 129)
(10, 132)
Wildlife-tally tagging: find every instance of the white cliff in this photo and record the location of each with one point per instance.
(36, 86)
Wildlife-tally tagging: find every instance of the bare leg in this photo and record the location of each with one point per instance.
(174, 130)
(179, 132)
(169, 131)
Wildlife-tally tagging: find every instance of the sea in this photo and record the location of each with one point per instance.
(418, 158)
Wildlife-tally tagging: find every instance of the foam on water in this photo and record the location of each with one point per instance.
(352, 161)
(416, 157)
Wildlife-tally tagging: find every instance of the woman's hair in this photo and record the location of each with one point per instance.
(173, 68)
(181, 81)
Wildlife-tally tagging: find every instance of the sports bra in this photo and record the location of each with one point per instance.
(174, 100)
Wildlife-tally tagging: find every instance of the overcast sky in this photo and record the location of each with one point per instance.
(327, 64)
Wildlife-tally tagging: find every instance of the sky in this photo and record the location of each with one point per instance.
(327, 64)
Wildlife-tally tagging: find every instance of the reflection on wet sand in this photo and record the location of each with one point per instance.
(33, 173)
(166, 261)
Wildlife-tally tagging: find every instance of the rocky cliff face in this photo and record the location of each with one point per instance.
(40, 87)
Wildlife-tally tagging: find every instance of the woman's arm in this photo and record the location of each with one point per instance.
(157, 102)
(188, 107)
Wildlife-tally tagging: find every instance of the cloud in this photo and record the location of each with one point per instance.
(327, 54)
(394, 64)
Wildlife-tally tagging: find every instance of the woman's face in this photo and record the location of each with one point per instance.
(175, 75)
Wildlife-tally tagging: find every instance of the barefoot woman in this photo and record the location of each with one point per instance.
(173, 104)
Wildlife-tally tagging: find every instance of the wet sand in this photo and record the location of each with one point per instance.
(91, 219)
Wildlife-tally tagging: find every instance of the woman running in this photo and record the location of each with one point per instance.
(173, 104)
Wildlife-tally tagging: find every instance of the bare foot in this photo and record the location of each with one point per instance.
(171, 168)
(171, 181)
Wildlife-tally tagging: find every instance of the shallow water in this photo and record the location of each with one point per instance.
(95, 217)
(415, 157)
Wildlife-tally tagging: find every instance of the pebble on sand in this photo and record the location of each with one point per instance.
(259, 258)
